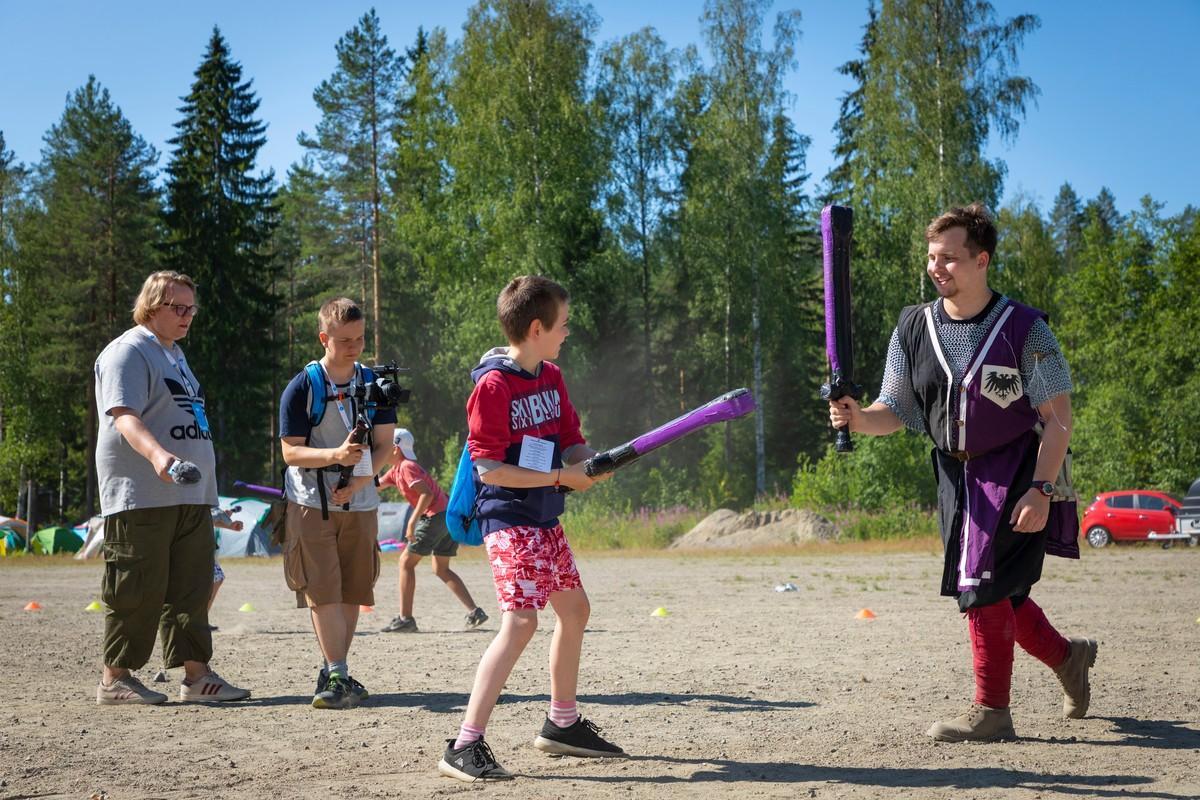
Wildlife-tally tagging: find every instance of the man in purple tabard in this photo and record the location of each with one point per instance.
(985, 379)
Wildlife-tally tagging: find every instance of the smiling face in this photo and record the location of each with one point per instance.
(165, 322)
(952, 267)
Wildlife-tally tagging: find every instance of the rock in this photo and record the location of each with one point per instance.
(725, 529)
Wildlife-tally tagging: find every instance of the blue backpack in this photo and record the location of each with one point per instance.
(316, 391)
(460, 510)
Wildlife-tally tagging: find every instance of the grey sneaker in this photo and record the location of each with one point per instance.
(212, 688)
(337, 694)
(127, 691)
(476, 618)
(401, 625)
(357, 688)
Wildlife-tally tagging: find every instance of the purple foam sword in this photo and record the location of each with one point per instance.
(837, 231)
(266, 492)
(730, 405)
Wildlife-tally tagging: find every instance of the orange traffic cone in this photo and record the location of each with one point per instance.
(33, 605)
(366, 609)
(865, 613)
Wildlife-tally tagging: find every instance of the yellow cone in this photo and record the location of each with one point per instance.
(247, 607)
(659, 612)
(92, 606)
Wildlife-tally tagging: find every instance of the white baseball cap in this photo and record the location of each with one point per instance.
(403, 439)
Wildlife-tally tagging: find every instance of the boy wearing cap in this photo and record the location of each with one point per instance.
(426, 535)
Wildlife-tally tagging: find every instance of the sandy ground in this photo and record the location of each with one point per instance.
(739, 691)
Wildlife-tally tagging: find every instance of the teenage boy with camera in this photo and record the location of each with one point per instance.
(331, 558)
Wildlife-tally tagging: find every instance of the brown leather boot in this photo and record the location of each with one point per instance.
(1073, 675)
(979, 724)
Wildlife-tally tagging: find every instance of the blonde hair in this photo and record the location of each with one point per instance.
(155, 291)
(337, 311)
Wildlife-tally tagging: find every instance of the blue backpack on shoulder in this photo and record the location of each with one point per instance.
(460, 510)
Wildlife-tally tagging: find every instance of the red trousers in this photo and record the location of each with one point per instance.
(993, 630)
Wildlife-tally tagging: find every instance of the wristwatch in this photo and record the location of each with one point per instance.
(1045, 487)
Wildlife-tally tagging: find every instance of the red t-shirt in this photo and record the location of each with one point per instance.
(405, 476)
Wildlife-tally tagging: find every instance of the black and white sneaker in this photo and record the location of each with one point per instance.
(581, 739)
(474, 762)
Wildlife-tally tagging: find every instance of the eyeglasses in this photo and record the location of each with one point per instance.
(182, 310)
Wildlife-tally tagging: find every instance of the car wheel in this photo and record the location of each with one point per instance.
(1098, 537)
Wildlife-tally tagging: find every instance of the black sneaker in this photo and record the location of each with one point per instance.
(476, 618)
(359, 690)
(337, 693)
(472, 763)
(581, 739)
(401, 625)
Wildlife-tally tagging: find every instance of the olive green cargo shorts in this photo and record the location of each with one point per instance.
(158, 576)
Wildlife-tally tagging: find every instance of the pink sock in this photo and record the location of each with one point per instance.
(466, 735)
(563, 715)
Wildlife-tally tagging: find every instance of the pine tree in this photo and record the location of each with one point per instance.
(1066, 224)
(84, 252)
(220, 219)
(358, 110)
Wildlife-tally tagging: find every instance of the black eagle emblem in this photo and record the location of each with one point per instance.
(1003, 385)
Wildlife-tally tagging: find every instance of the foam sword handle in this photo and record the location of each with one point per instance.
(842, 442)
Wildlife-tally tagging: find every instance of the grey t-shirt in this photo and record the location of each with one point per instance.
(134, 371)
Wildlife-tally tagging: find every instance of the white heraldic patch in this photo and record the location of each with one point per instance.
(1001, 385)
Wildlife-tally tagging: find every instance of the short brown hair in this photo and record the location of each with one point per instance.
(156, 291)
(976, 220)
(337, 311)
(525, 299)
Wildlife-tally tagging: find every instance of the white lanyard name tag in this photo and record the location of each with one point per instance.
(193, 397)
(536, 454)
(365, 465)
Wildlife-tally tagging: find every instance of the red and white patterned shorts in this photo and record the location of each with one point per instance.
(528, 564)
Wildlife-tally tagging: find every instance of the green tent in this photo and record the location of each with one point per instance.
(56, 540)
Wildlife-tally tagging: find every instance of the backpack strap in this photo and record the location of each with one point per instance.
(316, 393)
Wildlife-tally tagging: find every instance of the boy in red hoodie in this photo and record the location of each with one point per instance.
(525, 441)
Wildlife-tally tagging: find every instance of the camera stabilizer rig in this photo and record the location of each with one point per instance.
(383, 392)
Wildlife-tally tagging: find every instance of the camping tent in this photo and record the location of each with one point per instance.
(254, 539)
(393, 517)
(11, 542)
(56, 540)
(93, 539)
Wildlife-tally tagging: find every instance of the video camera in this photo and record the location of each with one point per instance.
(385, 391)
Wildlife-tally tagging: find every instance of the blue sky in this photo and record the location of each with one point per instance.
(1119, 105)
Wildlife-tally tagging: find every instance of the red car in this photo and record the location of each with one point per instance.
(1129, 516)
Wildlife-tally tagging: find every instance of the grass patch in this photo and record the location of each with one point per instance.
(589, 527)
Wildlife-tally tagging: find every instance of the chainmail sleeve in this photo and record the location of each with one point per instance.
(896, 391)
(1044, 370)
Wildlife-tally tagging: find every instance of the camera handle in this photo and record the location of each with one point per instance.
(362, 427)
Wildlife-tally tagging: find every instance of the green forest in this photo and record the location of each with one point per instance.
(663, 183)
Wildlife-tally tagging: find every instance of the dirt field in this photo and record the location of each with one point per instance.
(739, 692)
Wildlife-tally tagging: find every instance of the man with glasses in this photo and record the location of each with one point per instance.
(156, 470)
